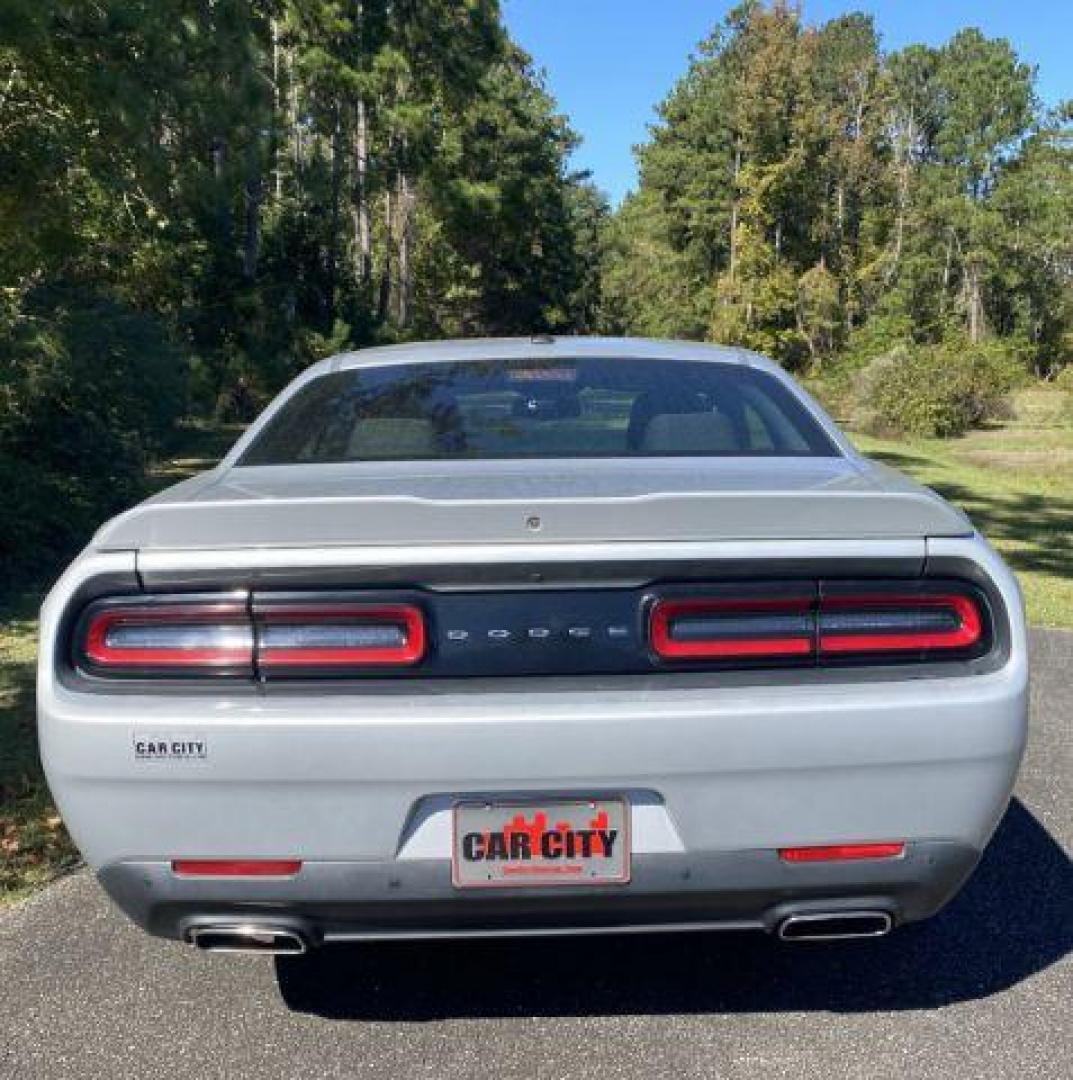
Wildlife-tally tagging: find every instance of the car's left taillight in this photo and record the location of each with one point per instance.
(187, 637)
(214, 636)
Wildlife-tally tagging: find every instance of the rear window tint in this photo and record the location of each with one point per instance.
(494, 409)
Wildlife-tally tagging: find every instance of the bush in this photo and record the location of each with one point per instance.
(89, 389)
(935, 390)
(1044, 405)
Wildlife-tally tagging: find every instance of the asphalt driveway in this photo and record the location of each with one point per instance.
(985, 989)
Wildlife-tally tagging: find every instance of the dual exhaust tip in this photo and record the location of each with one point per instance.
(249, 938)
(278, 940)
(835, 925)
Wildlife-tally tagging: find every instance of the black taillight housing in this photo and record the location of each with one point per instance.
(276, 636)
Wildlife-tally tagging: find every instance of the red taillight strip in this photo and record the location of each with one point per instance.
(237, 868)
(968, 632)
(212, 617)
(408, 618)
(842, 852)
(665, 611)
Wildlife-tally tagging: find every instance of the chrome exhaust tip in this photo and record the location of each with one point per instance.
(248, 938)
(835, 925)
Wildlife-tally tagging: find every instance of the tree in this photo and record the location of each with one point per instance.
(803, 194)
(239, 187)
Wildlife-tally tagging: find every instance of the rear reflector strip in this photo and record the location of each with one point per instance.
(882, 623)
(842, 852)
(340, 635)
(169, 636)
(237, 868)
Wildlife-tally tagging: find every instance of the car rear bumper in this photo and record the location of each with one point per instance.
(360, 790)
(347, 901)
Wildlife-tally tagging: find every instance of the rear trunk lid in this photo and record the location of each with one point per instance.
(535, 502)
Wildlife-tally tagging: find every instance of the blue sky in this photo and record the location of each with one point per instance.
(608, 62)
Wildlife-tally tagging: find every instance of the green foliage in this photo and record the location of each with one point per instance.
(253, 184)
(935, 390)
(808, 196)
(1044, 405)
(89, 389)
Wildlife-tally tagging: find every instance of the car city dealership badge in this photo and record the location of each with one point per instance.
(553, 843)
(167, 746)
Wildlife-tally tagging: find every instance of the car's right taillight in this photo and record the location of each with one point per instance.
(840, 622)
(728, 628)
(883, 623)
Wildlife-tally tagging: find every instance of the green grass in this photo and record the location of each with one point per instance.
(1016, 483)
(198, 445)
(34, 846)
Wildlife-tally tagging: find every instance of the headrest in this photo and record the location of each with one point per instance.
(385, 438)
(692, 434)
(652, 403)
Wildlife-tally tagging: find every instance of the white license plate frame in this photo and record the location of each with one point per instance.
(592, 850)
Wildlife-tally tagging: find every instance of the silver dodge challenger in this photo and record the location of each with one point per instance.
(525, 637)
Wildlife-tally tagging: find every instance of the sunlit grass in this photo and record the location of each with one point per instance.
(1016, 482)
(34, 845)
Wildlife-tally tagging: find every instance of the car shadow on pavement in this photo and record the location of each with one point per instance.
(1014, 918)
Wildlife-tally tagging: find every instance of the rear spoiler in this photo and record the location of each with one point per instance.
(407, 520)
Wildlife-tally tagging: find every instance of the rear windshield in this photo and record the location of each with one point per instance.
(587, 408)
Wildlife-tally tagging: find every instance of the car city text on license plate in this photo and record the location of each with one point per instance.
(582, 842)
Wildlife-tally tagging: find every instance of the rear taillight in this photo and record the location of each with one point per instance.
(838, 623)
(214, 637)
(340, 635)
(890, 623)
(707, 628)
(190, 637)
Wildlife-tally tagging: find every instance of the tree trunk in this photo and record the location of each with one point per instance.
(359, 210)
(946, 271)
(905, 166)
(296, 130)
(734, 214)
(219, 157)
(333, 235)
(251, 247)
(276, 113)
(384, 298)
(406, 203)
(974, 301)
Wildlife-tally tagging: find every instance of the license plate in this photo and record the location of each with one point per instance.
(520, 844)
